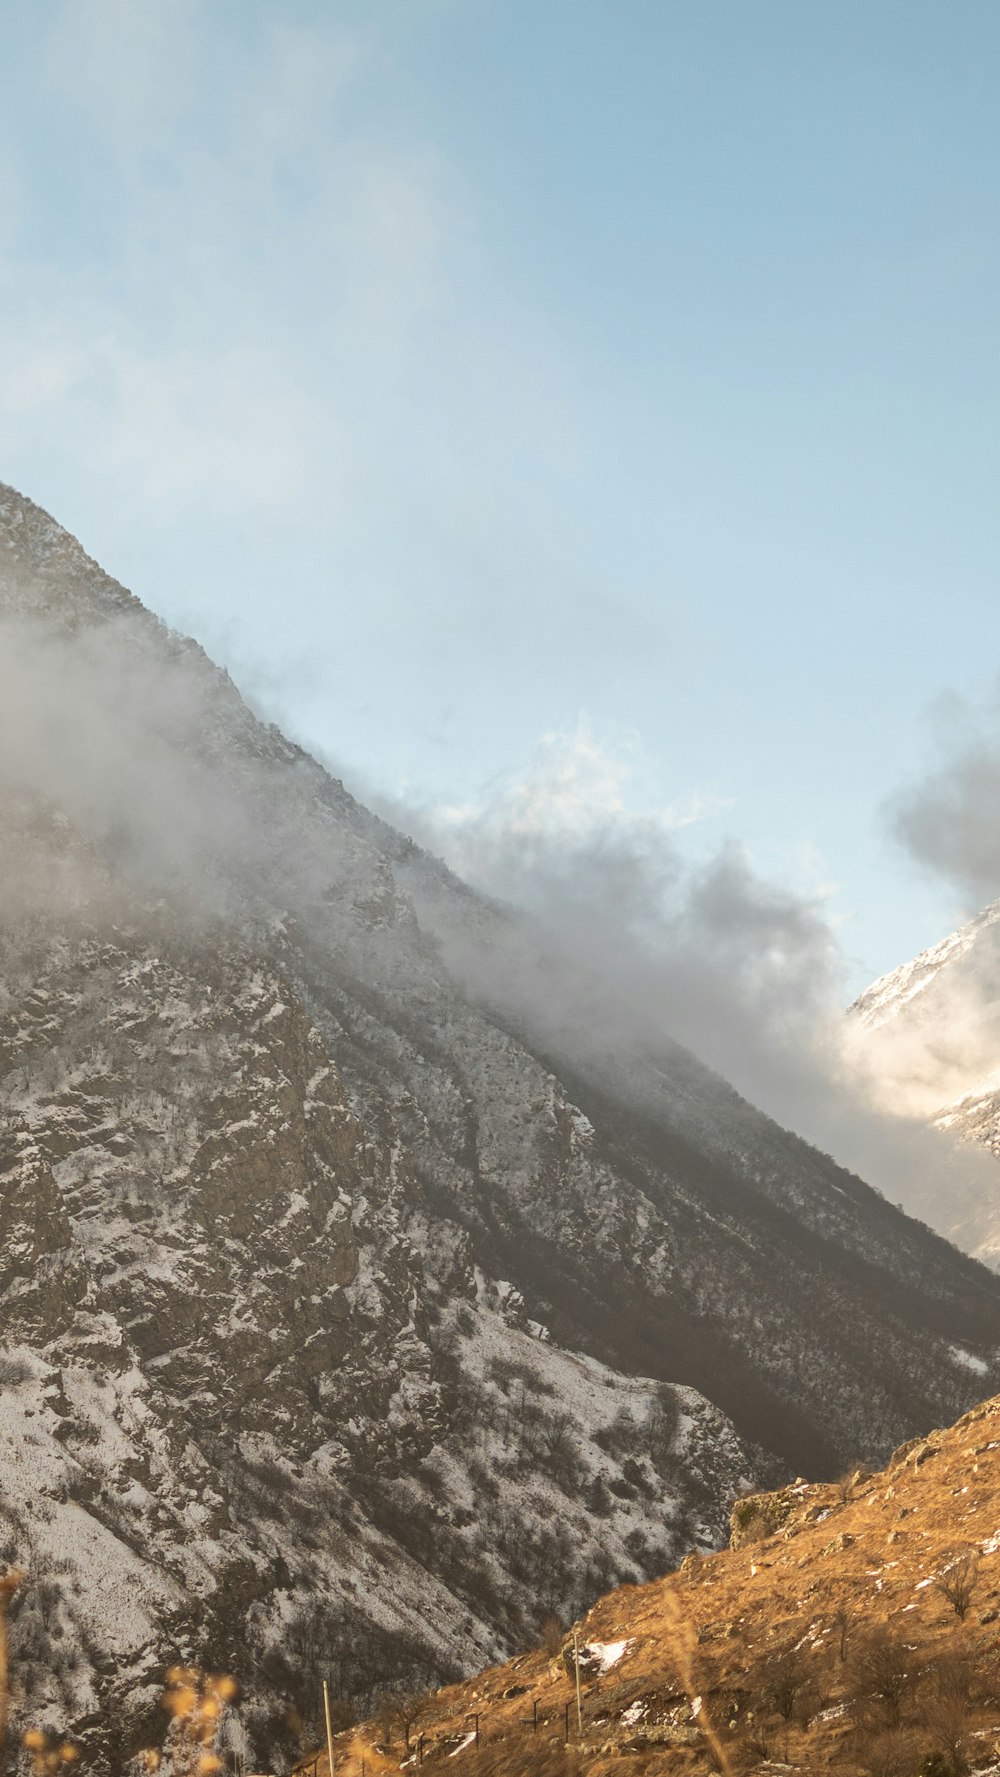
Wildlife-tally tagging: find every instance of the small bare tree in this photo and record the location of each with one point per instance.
(883, 1752)
(885, 1672)
(946, 1716)
(401, 1711)
(783, 1678)
(958, 1582)
(954, 1675)
(947, 1722)
(843, 1622)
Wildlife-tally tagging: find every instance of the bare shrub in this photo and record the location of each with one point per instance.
(552, 1635)
(755, 1747)
(883, 1752)
(947, 1724)
(13, 1369)
(946, 1714)
(47, 1596)
(843, 1623)
(958, 1582)
(755, 1525)
(662, 1422)
(597, 1498)
(399, 1712)
(954, 1675)
(885, 1672)
(781, 1681)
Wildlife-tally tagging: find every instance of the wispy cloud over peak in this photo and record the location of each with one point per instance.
(582, 785)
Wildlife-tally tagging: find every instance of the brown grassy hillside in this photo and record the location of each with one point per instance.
(854, 1625)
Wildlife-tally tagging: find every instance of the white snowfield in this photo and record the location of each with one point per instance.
(607, 1654)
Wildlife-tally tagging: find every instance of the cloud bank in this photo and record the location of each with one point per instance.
(948, 819)
(621, 942)
(603, 934)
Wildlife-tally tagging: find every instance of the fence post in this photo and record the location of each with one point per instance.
(329, 1724)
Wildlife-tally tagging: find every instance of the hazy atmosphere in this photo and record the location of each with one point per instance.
(589, 398)
(499, 888)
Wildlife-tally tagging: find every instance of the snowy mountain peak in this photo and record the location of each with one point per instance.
(927, 1038)
(887, 996)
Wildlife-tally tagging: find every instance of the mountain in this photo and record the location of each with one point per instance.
(359, 1306)
(928, 1035)
(849, 1627)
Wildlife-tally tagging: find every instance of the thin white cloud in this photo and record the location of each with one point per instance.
(160, 342)
(579, 785)
(128, 66)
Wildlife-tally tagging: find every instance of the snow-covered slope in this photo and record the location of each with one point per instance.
(349, 1324)
(251, 1387)
(928, 1038)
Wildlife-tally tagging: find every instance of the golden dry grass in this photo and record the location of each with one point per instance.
(861, 1571)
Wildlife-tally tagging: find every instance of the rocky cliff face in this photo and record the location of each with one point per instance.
(258, 1406)
(349, 1323)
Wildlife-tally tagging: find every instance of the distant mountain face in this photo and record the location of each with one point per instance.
(348, 1324)
(928, 1036)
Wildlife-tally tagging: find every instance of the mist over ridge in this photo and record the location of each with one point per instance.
(601, 939)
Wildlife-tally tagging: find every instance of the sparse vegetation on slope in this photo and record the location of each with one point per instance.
(850, 1627)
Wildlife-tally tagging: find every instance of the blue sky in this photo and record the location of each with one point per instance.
(469, 373)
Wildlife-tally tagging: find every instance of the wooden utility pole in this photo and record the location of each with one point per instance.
(329, 1725)
(576, 1669)
(8, 1586)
